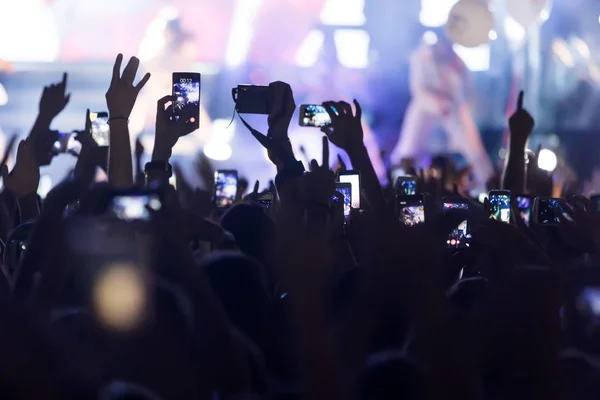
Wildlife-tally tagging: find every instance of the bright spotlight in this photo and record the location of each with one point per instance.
(547, 160)
(430, 38)
(434, 13)
(120, 297)
(476, 59)
(308, 53)
(493, 35)
(218, 151)
(514, 31)
(352, 47)
(45, 186)
(343, 12)
(242, 31)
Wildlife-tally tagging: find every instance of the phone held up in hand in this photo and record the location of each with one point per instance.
(353, 178)
(406, 185)
(226, 182)
(132, 205)
(410, 209)
(265, 199)
(100, 128)
(251, 99)
(345, 189)
(66, 143)
(459, 237)
(547, 210)
(186, 92)
(500, 205)
(524, 204)
(314, 116)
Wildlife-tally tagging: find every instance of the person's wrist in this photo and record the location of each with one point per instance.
(356, 149)
(162, 150)
(44, 119)
(161, 154)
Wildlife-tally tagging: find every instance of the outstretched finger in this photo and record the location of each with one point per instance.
(63, 83)
(88, 122)
(161, 104)
(314, 165)
(358, 114)
(325, 152)
(143, 82)
(117, 69)
(131, 69)
(255, 190)
(344, 108)
(520, 100)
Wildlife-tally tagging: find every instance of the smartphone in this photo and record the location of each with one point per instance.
(265, 199)
(500, 205)
(353, 178)
(346, 190)
(186, 91)
(313, 115)
(100, 127)
(226, 182)
(595, 200)
(251, 99)
(66, 143)
(459, 237)
(524, 204)
(406, 185)
(590, 297)
(546, 209)
(133, 206)
(410, 209)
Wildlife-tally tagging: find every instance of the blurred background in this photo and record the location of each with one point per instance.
(326, 49)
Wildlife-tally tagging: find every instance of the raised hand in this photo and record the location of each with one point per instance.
(521, 123)
(318, 186)
(346, 129)
(25, 177)
(122, 93)
(283, 110)
(54, 99)
(168, 130)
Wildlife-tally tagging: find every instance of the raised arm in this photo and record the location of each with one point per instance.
(521, 125)
(120, 99)
(168, 132)
(346, 132)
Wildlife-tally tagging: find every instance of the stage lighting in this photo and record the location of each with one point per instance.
(547, 160)
(218, 151)
(477, 59)
(308, 53)
(120, 296)
(493, 35)
(242, 31)
(430, 38)
(45, 186)
(343, 13)
(352, 47)
(582, 47)
(563, 53)
(514, 31)
(434, 13)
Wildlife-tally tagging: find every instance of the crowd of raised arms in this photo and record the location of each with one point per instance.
(287, 298)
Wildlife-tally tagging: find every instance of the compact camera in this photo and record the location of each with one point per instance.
(250, 99)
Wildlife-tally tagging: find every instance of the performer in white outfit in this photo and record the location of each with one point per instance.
(438, 82)
(166, 48)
